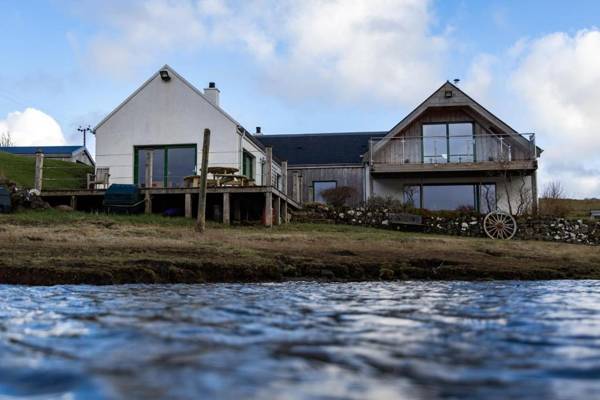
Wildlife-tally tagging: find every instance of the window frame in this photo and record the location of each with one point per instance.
(476, 192)
(314, 199)
(447, 125)
(165, 148)
(248, 155)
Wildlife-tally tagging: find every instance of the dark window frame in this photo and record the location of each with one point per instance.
(321, 181)
(165, 148)
(247, 155)
(476, 191)
(447, 125)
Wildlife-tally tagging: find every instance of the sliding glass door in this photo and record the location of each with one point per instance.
(170, 164)
(448, 143)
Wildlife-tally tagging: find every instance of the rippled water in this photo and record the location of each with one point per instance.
(302, 340)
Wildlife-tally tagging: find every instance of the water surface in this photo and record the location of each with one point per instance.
(302, 341)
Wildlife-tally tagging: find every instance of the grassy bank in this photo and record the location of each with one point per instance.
(57, 174)
(50, 247)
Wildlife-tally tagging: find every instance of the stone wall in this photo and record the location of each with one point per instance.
(539, 228)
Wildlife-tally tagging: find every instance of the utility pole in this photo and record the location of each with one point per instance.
(201, 221)
(84, 131)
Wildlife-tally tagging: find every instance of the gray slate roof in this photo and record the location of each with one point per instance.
(320, 148)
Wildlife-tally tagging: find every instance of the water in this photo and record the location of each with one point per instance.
(302, 340)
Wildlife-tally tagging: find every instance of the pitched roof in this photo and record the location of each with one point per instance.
(320, 148)
(182, 79)
(30, 150)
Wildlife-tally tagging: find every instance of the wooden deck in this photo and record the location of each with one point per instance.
(276, 202)
(487, 166)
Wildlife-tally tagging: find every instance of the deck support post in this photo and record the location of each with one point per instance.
(284, 177)
(39, 169)
(201, 221)
(284, 212)
(74, 202)
(226, 212)
(188, 205)
(268, 209)
(277, 210)
(296, 187)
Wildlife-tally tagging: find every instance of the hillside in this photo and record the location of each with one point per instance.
(57, 174)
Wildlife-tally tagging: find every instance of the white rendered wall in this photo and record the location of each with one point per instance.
(164, 113)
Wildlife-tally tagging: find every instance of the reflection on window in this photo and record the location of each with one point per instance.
(448, 142)
(319, 187)
(435, 143)
(487, 198)
(182, 163)
(460, 142)
(248, 165)
(411, 196)
(449, 197)
(170, 164)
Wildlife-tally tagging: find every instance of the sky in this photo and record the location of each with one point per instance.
(313, 65)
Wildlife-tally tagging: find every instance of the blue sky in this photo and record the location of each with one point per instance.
(314, 65)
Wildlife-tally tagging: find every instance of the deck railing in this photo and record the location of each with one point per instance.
(452, 149)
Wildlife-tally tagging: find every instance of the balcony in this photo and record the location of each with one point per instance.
(456, 153)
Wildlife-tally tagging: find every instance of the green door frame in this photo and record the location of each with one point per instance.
(165, 148)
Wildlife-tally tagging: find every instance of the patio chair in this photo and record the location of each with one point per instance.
(101, 177)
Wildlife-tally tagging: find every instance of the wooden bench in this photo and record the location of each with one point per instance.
(405, 219)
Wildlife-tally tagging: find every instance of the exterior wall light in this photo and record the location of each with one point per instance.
(164, 75)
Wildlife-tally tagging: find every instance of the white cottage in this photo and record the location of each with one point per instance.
(168, 115)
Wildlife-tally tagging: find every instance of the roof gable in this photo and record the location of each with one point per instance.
(149, 80)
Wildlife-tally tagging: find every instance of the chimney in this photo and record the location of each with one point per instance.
(212, 93)
(258, 130)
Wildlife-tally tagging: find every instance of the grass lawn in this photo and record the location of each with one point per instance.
(50, 247)
(575, 208)
(57, 174)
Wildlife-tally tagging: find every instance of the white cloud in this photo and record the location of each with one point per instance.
(350, 49)
(32, 127)
(480, 77)
(557, 78)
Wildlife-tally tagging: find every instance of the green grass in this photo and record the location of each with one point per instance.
(57, 174)
(574, 208)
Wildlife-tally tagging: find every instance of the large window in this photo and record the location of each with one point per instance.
(448, 142)
(170, 164)
(319, 187)
(475, 197)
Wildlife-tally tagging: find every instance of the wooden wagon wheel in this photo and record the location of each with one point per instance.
(499, 225)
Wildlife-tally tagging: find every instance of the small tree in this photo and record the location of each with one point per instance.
(553, 200)
(6, 140)
(337, 197)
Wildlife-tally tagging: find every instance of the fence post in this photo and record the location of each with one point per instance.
(39, 170)
(201, 221)
(148, 180)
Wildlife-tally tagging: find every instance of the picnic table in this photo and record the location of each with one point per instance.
(220, 176)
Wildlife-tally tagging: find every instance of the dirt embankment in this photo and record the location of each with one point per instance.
(104, 250)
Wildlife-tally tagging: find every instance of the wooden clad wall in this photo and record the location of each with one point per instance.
(352, 176)
(396, 152)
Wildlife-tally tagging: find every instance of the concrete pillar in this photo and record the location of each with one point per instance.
(188, 205)
(39, 170)
(277, 210)
(226, 212)
(268, 209)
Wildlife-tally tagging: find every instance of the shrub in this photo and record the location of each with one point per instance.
(337, 197)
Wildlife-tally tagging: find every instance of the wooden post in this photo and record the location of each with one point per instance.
(201, 221)
(284, 177)
(284, 212)
(226, 212)
(188, 205)
(300, 189)
(277, 210)
(148, 180)
(74, 202)
(268, 209)
(295, 187)
(269, 166)
(39, 170)
(534, 194)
